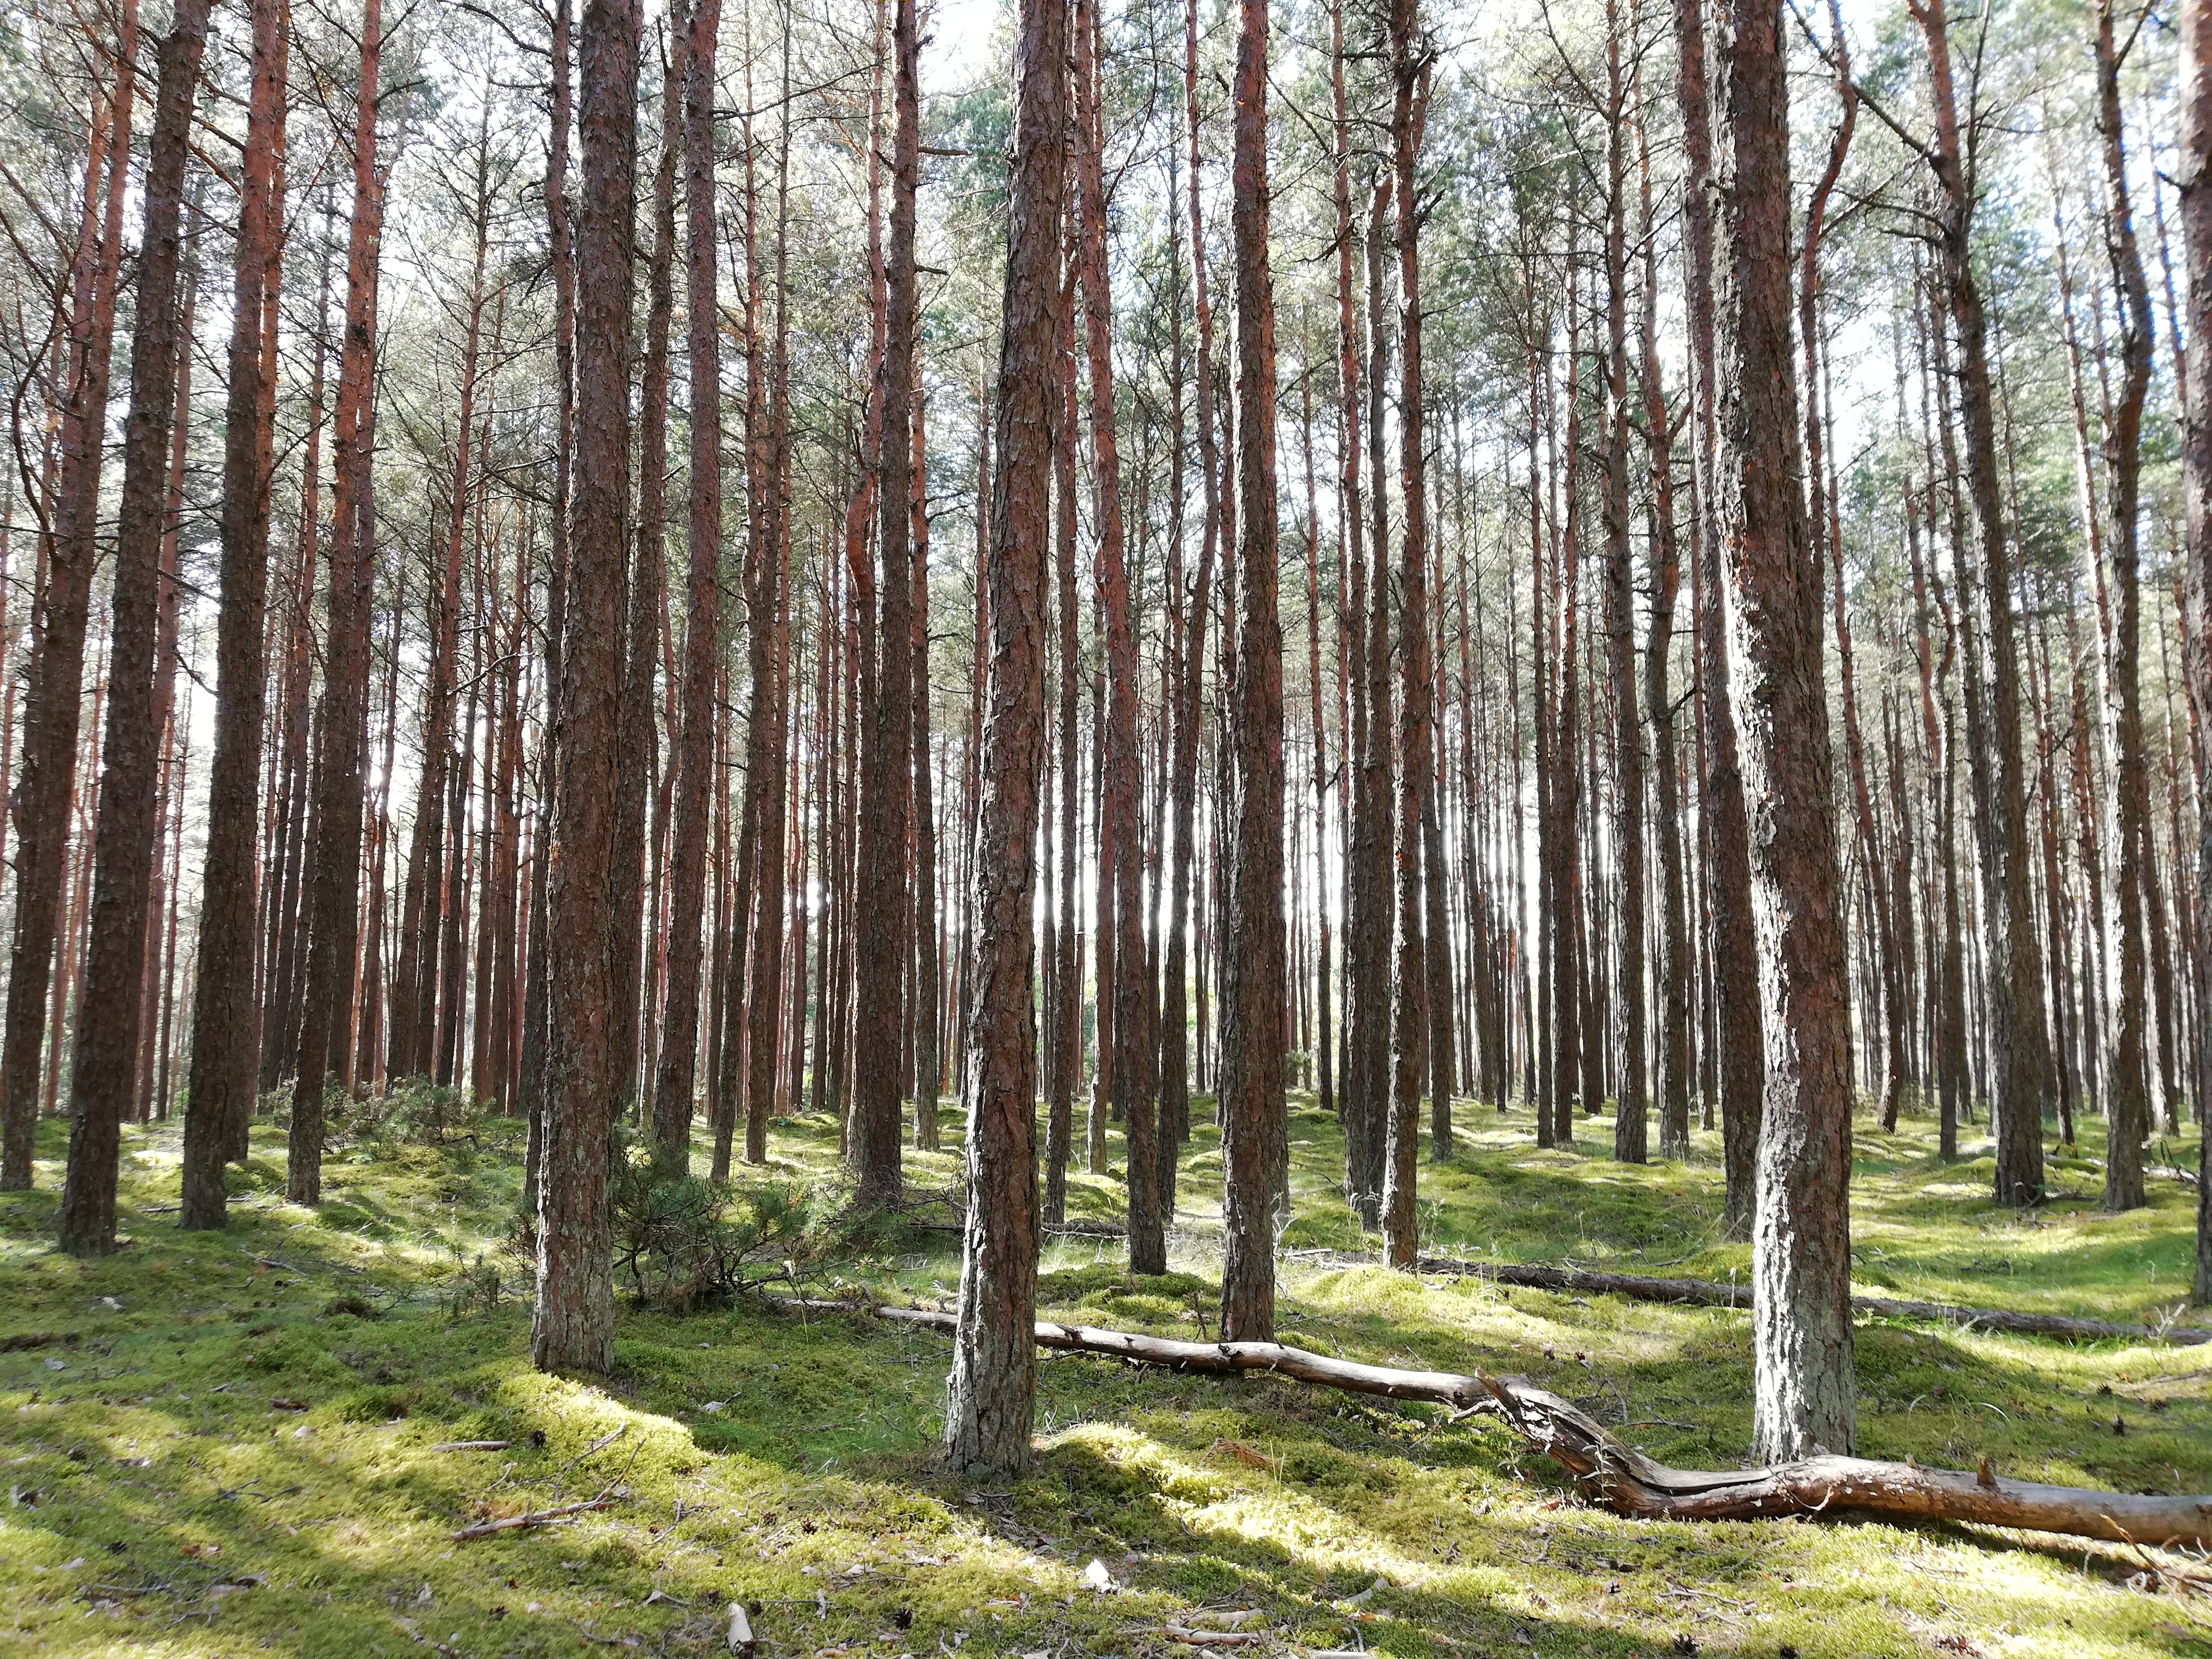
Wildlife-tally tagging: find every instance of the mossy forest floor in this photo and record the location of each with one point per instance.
(230, 1444)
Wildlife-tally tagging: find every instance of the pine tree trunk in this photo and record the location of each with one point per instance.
(928, 1060)
(103, 1070)
(1252, 1037)
(2015, 986)
(40, 800)
(1737, 1021)
(2128, 1096)
(884, 914)
(2193, 175)
(537, 1012)
(325, 1043)
(573, 1328)
(991, 1398)
(1803, 1392)
(674, 1085)
(1631, 1120)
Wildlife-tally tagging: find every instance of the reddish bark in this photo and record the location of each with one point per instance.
(103, 1071)
(573, 1326)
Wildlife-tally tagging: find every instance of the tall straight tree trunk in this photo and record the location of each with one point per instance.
(220, 1086)
(1410, 991)
(2016, 982)
(425, 902)
(1133, 1090)
(2193, 174)
(1361, 1186)
(1324, 979)
(1673, 966)
(2128, 1096)
(282, 961)
(1738, 1020)
(991, 1397)
(1188, 644)
(1571, 1032)
(103, 1070)
(673, 1086)
(1631, 1120)
(40, 801)
(1252, 1038)
(771, 465)
(1372, 845)
(573, 1328)
(729, 1084)
(638, 742)
(1803, 1394)
(884, 913)
(928, 1061)
(537, 1013)
(326, 1041)
(168, 804)
(1066, 1035)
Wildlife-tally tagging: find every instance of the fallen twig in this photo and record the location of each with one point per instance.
(531, 1518)
(471, 1445)
(600, 1444)
(1211, 1638)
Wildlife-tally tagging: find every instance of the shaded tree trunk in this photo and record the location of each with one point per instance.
(40, 800)
(692, 807)
(103, 1068)
(884, 914)
(327, 1034)
(573, 1325)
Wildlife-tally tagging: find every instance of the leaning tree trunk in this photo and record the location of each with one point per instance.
(1800, 1233)
(991, 1398)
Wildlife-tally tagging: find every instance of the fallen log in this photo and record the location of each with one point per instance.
(1711, 1293)
(1609, 1472)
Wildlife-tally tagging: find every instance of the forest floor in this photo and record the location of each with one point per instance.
(218, 1444)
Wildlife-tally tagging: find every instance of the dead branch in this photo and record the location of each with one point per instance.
(531, 1518)
(1611, 1473)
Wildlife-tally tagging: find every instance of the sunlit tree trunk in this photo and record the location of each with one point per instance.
(1803, 1395)
(991, 1398)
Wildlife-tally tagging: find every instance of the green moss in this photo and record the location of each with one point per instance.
(264, 1408)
